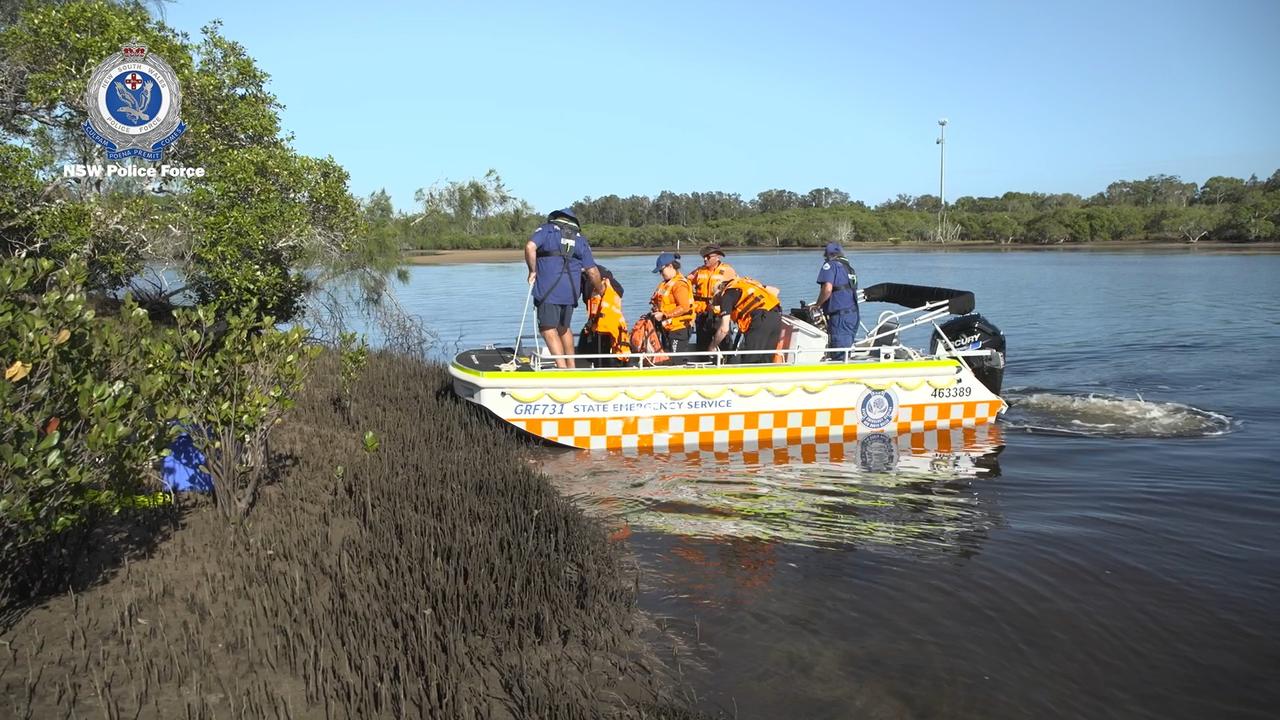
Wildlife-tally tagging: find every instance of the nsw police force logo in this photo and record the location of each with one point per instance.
(133, 102)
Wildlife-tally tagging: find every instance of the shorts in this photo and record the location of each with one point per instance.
(551, 315)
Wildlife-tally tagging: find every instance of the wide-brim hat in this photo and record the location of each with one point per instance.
(712, 250)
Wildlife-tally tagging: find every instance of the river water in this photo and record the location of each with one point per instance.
(1109, 549)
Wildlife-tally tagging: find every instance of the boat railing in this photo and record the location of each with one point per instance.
(882, 342)
(545, 361)
(695, 358)
(890, 323)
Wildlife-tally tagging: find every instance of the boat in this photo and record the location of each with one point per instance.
(696, 402)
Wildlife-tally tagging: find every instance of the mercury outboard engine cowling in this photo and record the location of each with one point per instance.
(973, 332)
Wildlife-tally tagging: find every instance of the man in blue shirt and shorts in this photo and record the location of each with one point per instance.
(557, 255)
(838, 299)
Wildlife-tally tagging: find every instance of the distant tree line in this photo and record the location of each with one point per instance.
(483, 214)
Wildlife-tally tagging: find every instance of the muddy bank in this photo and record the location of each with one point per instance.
(436, 577)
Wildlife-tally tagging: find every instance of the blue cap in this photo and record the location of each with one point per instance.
(664, 260)
(834, 249)
(566, 213)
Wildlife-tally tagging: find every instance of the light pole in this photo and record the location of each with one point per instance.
(942, 165)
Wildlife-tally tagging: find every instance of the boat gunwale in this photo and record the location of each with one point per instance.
(825, 370)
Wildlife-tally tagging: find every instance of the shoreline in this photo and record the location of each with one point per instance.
(500, 255)
(355, 590)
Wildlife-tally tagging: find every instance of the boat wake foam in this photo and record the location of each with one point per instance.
(1100, 415)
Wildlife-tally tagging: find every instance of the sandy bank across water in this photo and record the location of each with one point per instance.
(514, 255)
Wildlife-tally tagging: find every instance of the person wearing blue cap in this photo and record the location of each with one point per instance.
(558, 257)
(672, 305)
(837, 296)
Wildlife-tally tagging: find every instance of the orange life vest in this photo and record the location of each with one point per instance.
(664, 301)
(754, 297)
(645, 339)
(604, 317)
(704, 283)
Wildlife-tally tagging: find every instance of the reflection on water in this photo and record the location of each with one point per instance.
(918, 492)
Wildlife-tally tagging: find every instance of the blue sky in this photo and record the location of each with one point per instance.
(569, 99)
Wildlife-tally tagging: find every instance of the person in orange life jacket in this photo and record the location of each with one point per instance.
(672, 305)
(557, 255)
(705, 280)
(606, 329)
(838, 299)
(755, 309)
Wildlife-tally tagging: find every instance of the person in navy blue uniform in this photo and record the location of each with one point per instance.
(558, 257)
(837, 296)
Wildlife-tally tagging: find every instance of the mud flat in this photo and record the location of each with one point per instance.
(439, 576)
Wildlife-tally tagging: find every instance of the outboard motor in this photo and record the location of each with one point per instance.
(973, 332)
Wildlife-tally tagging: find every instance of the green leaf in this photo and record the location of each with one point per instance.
(49, 441)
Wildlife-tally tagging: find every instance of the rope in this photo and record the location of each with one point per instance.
(523, 315)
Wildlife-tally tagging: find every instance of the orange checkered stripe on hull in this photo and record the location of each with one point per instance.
(765, 429)
(929, 443)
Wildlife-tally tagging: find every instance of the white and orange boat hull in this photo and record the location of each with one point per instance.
(737, 407)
